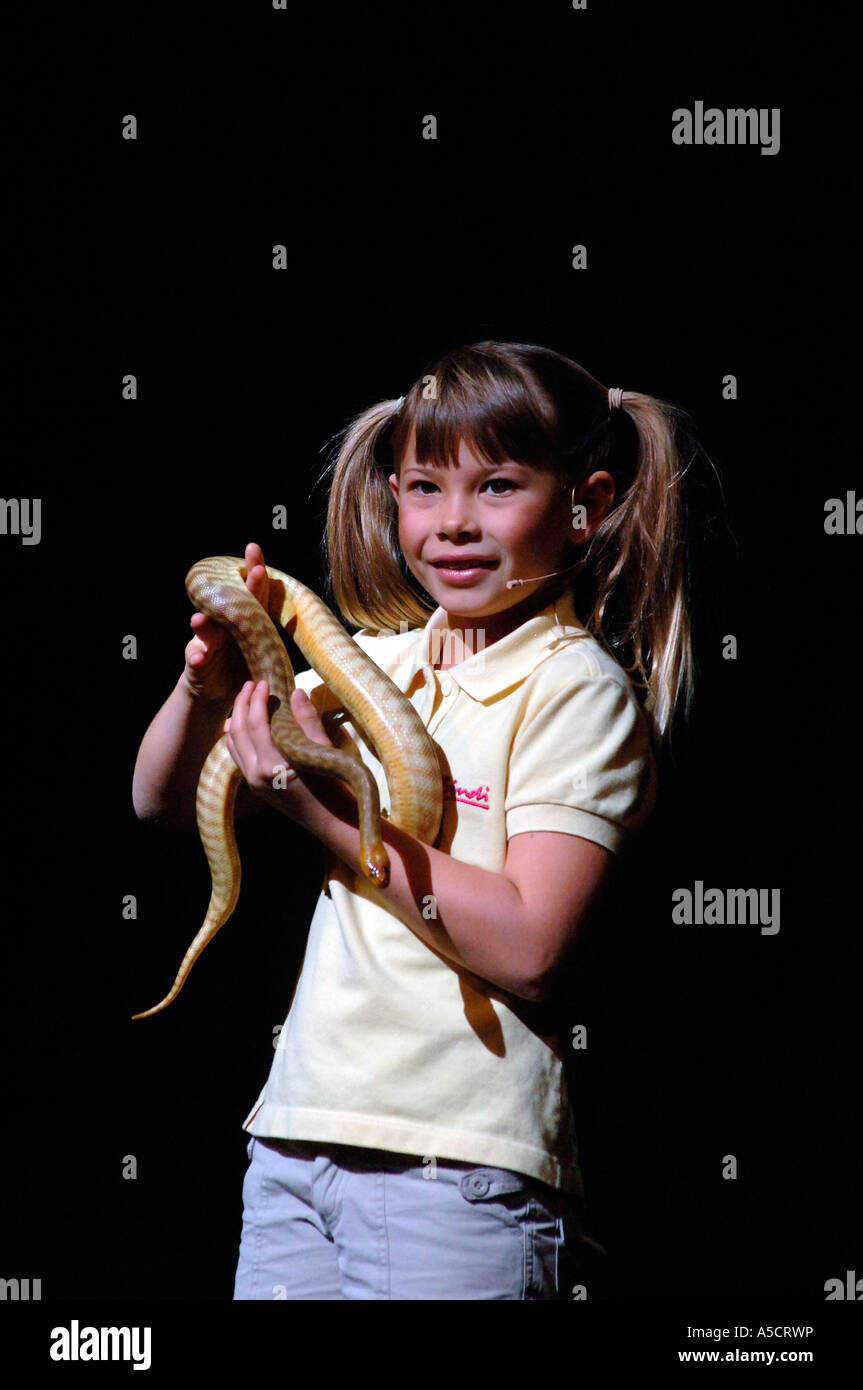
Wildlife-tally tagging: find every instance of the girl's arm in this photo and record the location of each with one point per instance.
(513, 929)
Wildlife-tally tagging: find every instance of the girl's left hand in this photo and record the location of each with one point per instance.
(250, 744)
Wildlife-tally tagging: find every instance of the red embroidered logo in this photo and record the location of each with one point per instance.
(476, 796)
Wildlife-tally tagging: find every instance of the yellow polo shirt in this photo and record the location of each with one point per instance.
(389, 1046)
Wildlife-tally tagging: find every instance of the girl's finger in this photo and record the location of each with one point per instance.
(196, 651)
(206, 627)
(239, 713)
(257, 579)
(236, 728)
(259, 705)
(307, 717)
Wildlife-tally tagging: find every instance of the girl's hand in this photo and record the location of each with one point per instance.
(215, 668)
(250, 743)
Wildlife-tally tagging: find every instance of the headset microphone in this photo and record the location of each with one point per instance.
(511, 583)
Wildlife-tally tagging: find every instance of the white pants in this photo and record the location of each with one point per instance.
(328, 1221)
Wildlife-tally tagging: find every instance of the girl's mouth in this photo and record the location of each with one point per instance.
(463, 572)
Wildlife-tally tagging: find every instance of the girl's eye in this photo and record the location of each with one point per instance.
(492, 482)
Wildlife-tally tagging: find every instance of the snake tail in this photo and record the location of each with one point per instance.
(217, 792)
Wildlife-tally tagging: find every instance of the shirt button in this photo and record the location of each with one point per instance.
(479, 1185)
(446, 685)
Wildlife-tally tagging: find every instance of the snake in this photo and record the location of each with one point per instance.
(381, 713)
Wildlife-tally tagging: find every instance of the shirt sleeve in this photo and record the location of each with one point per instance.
(581, 761)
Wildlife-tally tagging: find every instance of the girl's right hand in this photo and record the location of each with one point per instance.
(215, 669)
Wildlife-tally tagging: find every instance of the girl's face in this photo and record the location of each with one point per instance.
(510, 520)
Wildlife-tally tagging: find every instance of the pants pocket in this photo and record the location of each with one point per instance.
(509, 1196)
(543, 1216)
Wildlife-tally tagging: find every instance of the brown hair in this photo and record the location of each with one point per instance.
(529, 404)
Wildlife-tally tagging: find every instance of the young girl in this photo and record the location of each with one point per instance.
(414, 1138)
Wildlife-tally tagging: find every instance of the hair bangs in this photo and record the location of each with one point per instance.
(474, 396)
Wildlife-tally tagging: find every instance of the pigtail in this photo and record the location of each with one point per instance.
(640, 548)
(366, 575)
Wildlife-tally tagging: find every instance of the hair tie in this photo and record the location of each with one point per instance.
(615, 397)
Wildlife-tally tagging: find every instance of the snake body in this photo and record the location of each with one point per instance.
(380, 711)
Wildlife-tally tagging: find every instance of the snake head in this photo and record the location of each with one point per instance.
(376, 866)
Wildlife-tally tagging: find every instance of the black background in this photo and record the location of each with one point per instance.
(154, 257)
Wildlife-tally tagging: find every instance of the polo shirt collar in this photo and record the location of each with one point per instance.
(512, 658)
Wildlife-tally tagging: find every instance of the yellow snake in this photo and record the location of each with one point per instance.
(382, 714)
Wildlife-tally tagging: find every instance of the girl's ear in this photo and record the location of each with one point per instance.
(393, 481)
(597, 496)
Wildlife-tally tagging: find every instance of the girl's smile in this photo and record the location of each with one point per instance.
(463, 569)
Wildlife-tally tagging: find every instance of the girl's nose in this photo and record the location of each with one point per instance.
(455, 516)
